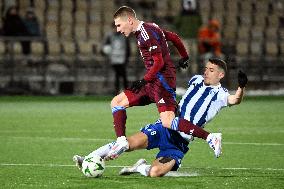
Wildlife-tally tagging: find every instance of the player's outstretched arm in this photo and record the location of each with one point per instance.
(238, 96)
(175, 39)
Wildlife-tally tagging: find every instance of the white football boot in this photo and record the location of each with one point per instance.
(215, 142)
(78, 160)
(133, 168)
(120, 146)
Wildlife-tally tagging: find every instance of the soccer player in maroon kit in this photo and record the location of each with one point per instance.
(158, 84)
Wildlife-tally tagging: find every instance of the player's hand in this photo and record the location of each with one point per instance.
(137, 85)
(183, 62)
(242, 79)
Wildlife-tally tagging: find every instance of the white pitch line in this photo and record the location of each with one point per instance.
(180, 174)
(109, 140)
(63, 138)
(35, 165)
(121, 166)
(245, 168)
(255, 143)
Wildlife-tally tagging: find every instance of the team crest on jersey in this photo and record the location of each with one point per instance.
(226, 90)
(212, 92)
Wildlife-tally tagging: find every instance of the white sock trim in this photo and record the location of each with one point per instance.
(103, 150)
(143, 169)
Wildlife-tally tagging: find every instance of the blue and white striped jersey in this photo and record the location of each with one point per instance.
(201, 103)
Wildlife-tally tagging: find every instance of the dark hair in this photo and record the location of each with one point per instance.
(221, 63)
(124, 11)
(8, 12)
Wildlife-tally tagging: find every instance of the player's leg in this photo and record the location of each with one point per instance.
(136, 141)
(169, 158)
(172, 150)
(151, 139)
(167, 118)
(164, 96)
(166, 103)
(141, 164)
(214, 140)
(179, 124)
(187, 127)
(160, 166)
(101, 151)
(118, 106)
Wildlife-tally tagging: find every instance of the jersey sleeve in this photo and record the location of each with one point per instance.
(157, 66)
(175, 39)
(223, 97)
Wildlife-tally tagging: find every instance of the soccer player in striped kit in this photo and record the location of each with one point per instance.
(158, 84)
(204, 98)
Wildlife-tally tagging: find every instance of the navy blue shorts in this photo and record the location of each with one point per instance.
(169, 142)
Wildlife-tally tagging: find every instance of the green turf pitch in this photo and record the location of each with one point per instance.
(39, 136)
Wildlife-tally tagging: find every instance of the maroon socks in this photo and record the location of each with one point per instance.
(189, 128)
(119, 120)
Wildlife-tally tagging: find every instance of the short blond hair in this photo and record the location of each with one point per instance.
(124, 11)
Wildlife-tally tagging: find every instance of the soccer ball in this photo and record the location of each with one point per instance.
(93, 166)
(107, 49)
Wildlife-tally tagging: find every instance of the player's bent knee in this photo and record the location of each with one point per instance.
(116, 101)
(156, 171)
(167, 118)
(113, 102)
(119, 100)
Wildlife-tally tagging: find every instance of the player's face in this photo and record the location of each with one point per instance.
(123, 25)
(212, 74)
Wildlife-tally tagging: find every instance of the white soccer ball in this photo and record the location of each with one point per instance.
(93, 166)
(107, 49)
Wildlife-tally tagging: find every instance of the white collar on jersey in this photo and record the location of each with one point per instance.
(140, 25)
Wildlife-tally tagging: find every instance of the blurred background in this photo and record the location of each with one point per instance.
(58, 47)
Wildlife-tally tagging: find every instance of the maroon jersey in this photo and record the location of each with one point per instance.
(152, 41)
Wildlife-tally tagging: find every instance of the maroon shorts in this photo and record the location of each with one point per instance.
(153, 92)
